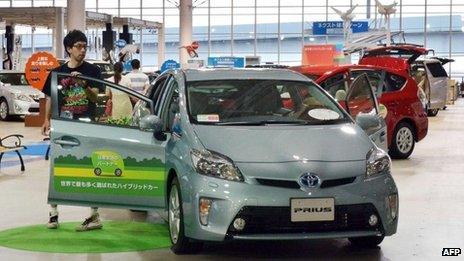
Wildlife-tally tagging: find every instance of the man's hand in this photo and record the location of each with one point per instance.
(75, 73)
(46, 127)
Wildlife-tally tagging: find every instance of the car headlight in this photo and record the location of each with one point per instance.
(21, 97)
(215, 165)
(378, 162)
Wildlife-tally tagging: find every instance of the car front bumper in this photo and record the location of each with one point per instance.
(266, 209)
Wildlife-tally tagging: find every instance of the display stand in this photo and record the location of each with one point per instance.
(36, 119)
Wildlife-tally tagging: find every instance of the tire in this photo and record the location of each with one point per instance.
(432, 112)
(366, 242)
(118, 172)
(97, 171)
(403, 141)
(4, 110)
(180, 243)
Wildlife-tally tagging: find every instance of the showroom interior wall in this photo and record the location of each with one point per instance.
(273, 29)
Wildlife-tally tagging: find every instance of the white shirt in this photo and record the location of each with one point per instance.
(138, 80)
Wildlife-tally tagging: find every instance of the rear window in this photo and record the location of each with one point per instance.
(437, 70)
(393, 82)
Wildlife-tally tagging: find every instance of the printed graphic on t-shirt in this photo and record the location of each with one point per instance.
(75, 100)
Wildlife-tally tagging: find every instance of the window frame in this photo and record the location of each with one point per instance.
(54, 97)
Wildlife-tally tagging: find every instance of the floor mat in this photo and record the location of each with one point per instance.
(116, 236)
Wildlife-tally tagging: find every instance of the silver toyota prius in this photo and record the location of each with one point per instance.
(238, 154)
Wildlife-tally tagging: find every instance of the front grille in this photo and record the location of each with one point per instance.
(33, 110)
(279, 183)
(268, 220)
(294, 185)
(337, 182)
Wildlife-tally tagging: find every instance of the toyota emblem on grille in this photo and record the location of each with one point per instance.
(309, 180)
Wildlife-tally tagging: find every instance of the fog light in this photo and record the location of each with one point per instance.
(18, 108)
(373, 220)
(239, 224)
(393, 204)
(203, 207)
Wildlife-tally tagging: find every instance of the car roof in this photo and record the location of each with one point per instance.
(205, 74)
(10, 71)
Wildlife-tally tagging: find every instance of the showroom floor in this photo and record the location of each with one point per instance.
(430, 184)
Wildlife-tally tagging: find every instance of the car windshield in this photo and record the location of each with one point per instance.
(260, 102)
(14, 78)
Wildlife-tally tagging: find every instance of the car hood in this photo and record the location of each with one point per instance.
(25, 89)
(273, 143)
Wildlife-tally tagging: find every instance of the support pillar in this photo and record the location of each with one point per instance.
(161, 46)
(58, 33)
(185, 29)
(76, 15)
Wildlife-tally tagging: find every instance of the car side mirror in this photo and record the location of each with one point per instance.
(368, 121)
(153, 123)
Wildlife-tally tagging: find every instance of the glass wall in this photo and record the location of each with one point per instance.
(275, 30)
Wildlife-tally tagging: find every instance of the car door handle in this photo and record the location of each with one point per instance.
(66, 142)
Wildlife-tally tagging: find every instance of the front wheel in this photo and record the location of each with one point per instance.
(403, 141)
(180, 243)
(432, 112)
(366, 242)
(4, 110)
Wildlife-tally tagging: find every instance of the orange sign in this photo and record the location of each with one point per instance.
(320, 54)
(38, 67)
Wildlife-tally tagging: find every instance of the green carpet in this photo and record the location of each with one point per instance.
(116, 236)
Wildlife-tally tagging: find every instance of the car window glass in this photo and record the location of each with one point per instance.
(375, 78)
(335, 83)
(14, 78)
(97, 102)
(393, 82)
(360, 98)
(172, 108)
(157, 89)
(255, 101)
(436, 69)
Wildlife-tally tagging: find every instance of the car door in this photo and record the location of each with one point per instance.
(99, 157)
(438, 83)
(360, 101)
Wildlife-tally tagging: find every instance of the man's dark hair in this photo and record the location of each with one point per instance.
(135, 64)
(73, 37)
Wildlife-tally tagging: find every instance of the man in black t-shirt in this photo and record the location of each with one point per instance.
(76, 100)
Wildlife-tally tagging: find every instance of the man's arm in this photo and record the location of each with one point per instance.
(48, 111)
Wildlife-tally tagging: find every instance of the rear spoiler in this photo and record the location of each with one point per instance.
(443, 60)
(414, 51)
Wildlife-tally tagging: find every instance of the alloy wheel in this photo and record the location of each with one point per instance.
(174, 214)
(404, 140)
(3, 110)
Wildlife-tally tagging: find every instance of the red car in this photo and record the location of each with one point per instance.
(406, 118)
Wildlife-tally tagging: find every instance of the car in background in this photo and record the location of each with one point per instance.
(17, 97)
(406, 118)
(429, 73)
(106, 68)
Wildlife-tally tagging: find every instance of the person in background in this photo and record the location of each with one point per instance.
(75, 44)
(119, 101)
(138, 80)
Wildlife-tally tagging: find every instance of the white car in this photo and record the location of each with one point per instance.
(17, 97)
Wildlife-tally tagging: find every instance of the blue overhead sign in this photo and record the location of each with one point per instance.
(336, 27)
(169, 64)
(227, 61)
(120, 43)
